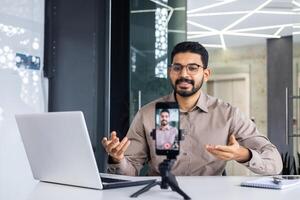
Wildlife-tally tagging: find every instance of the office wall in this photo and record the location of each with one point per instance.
(22, 88)
(261, 80)
(251, 60)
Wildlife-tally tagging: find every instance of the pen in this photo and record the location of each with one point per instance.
(279, 179)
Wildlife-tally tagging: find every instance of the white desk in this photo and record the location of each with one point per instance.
(219, 188)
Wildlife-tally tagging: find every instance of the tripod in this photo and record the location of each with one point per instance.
(167, 179)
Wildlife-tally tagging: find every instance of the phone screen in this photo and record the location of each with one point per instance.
(167, 127)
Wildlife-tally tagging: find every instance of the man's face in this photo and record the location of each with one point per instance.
(164, 118)
(185, 83)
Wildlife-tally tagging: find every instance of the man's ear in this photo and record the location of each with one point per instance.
(168, 72)
(207, 73)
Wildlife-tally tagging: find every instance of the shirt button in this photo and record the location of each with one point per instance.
(253, 164)
(184, 153)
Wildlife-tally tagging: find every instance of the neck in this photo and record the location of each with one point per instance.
(187, 103)
(164, 127)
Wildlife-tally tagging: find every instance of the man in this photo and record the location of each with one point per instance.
(165, 133)
(215, 131)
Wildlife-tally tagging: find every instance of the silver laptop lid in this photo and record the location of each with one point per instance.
(58, 148)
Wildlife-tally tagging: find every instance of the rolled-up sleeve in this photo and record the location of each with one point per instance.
(265, 159)
(137, 153)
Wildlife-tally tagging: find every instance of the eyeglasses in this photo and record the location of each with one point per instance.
(192, 68)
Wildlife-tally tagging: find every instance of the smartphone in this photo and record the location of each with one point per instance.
(167, 128)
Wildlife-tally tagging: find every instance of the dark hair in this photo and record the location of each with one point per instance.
(193, 47)
(164, 110)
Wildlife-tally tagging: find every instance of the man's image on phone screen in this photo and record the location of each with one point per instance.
(167, 129)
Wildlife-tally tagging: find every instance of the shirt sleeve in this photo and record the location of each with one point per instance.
(137, 152)
(265, 159)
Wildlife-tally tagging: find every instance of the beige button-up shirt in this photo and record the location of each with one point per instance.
(211, 121)
(165, 136)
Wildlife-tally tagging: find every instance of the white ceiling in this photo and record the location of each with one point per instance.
(227, 23)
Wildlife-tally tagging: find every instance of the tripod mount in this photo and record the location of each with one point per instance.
(167, 179)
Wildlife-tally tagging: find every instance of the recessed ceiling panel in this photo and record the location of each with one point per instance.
(241, 22)
(205, 6)
(235, 41)
(218, 22)
(258, 20)
(207, 40)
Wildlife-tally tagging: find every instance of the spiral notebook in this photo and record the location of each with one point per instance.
(267, 182)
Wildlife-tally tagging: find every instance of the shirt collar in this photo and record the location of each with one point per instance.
(201, 102)
(165, 129)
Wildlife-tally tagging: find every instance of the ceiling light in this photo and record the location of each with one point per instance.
(201, 36)
(259, 10)
(251, 34)
(198, 32)
(217, 13)
(142, 11)
(213, 45)
(210, 6)
(242, 12)
(222, 41)
(162, 4)
(176, 31)
(180, 9)
(277, 12)
(261, 28)
(202, 26)
(170, 15)
(247, 15)
(296, 3)
(279, 30)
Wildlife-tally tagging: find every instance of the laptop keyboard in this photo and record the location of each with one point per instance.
(112, 180)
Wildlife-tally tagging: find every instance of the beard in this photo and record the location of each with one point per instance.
(186, 93)
(164, 122)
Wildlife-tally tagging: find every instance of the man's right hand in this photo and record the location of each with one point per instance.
(114, 147)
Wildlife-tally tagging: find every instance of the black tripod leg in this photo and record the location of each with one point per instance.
(177, 189)
(173, 180)
(145, 189)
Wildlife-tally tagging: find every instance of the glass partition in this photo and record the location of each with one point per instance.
(155, 27)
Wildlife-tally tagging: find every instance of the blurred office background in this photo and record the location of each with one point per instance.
(108, 58)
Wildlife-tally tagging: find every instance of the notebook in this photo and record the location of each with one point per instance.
(59, 151)
(269, 183)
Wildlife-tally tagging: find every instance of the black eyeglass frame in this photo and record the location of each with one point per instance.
(187, 66)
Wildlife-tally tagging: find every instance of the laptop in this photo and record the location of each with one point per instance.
(59, 150)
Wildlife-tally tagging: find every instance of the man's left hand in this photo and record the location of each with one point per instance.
(233, 151)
